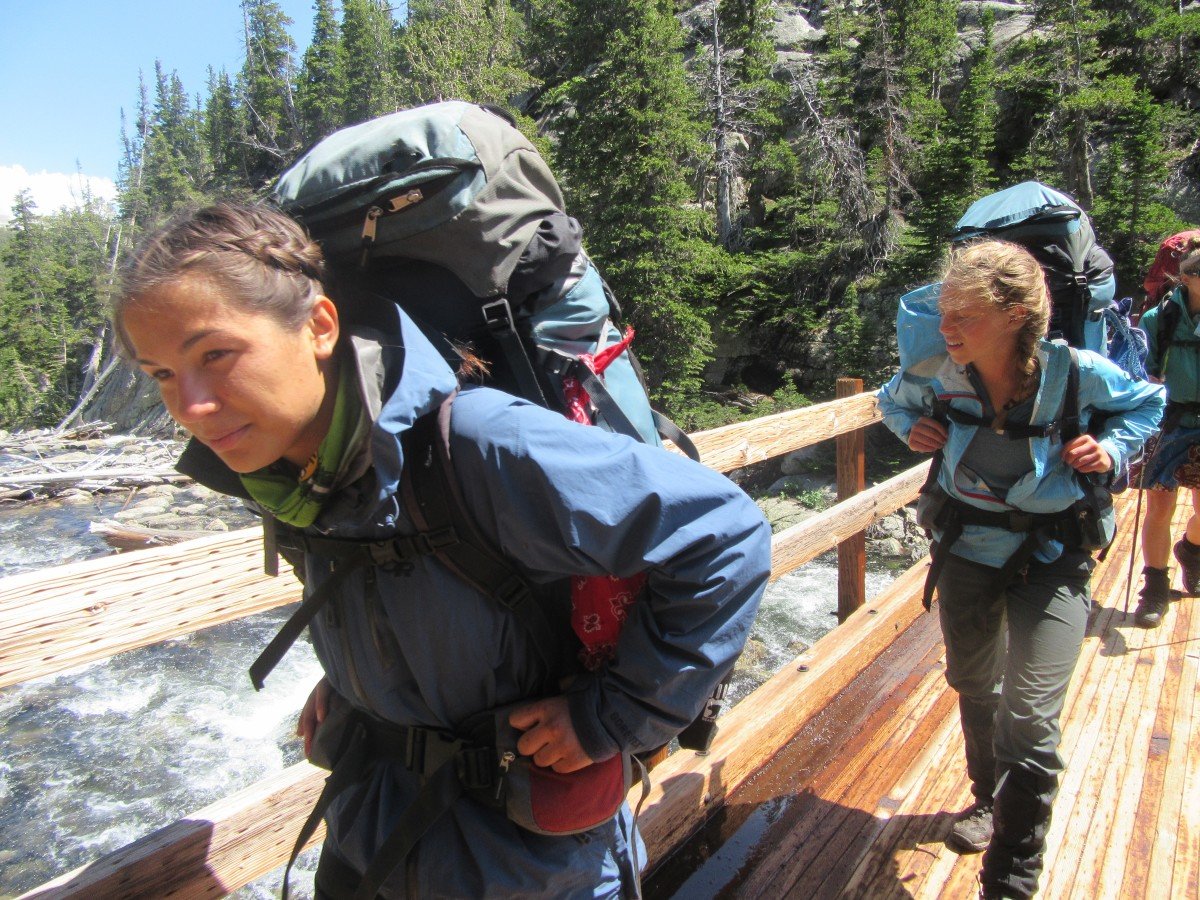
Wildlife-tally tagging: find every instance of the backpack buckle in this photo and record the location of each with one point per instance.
(1020, 521)
(432, 542)
(498, 316)
(513, 592)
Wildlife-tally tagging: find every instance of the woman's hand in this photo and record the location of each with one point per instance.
(549, 735)
(313, 714)
(1084, 454)
(927, 435)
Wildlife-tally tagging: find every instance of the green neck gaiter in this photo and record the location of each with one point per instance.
(297, 500)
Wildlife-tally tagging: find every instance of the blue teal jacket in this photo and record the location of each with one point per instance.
(422, 647)
(926, 372)
(1179, 366)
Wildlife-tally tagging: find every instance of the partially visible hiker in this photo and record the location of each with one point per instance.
(1015, 510)
(1172, 458)
(325, 429)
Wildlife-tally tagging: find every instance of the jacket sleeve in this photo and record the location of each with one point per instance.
(1133, 408)
(565, 499)
(902, 401)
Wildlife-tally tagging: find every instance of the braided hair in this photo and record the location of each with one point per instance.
(264, 260)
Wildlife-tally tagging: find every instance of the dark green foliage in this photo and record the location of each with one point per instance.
(632, 103)
(464, 50)
(370, 57)
(50, 308)
(321, 86)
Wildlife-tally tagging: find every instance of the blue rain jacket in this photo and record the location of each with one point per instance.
(926, 372)
(421, 647)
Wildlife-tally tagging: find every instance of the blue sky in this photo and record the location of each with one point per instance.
(67, 69)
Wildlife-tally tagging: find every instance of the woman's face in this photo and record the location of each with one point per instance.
(980, 332)
(243, 384)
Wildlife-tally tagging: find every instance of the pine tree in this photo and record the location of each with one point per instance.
(321, 86)
(175, 166)
(621, 155)
(265, 90)
(224, 126)
(49, 309)
(370, 55)
(957, 161)
(1130, 211)
(464, 50)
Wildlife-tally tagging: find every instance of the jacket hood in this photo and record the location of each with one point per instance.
(401, 376)
(922, 347)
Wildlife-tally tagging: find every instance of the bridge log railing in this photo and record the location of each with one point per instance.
(58, 619)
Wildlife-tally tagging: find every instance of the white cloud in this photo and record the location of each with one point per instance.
(51, 190)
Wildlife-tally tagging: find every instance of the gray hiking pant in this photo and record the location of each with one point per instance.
(1010, 656)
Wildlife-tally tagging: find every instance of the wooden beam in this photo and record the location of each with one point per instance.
(851, 479)
(797, 545)
(209, 854)
(744, 443)
(74, 614)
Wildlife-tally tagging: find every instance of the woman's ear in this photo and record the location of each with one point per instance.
(324, 326)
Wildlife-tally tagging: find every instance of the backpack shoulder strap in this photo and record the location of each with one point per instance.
(1168, 321)
(433, 499)
(1069, 419)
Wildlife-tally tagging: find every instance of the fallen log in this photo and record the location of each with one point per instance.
(131, 537)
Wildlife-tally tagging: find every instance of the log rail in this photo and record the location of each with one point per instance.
(81, 612)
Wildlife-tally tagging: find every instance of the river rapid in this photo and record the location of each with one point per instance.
(97, 757)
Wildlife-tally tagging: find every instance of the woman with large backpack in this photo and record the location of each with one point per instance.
(454, 713)
(1172, 458)
(1013, 511)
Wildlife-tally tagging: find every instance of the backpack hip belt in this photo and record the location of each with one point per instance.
(1067, 526)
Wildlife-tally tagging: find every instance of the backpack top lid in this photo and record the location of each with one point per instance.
(1030, 206)
(452, 183)
(1165, 268)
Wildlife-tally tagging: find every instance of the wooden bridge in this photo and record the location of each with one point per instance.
(837, 778)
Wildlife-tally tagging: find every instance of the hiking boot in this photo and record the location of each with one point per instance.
(1152, 602)
(972, 831)
(1189, 565)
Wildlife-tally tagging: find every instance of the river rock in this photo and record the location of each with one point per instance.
(783, 512)
(216, 525)
(76, 497)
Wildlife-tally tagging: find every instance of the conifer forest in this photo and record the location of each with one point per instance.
(758, 180)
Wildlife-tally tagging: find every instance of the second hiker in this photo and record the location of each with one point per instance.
(1015, 513)
(1173, 455)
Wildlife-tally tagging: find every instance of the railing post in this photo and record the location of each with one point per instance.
(851, 478)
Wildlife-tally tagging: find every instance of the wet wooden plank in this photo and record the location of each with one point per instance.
(843, 797)
(1127, 821)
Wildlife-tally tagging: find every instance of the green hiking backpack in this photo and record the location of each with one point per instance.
(449, 210)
